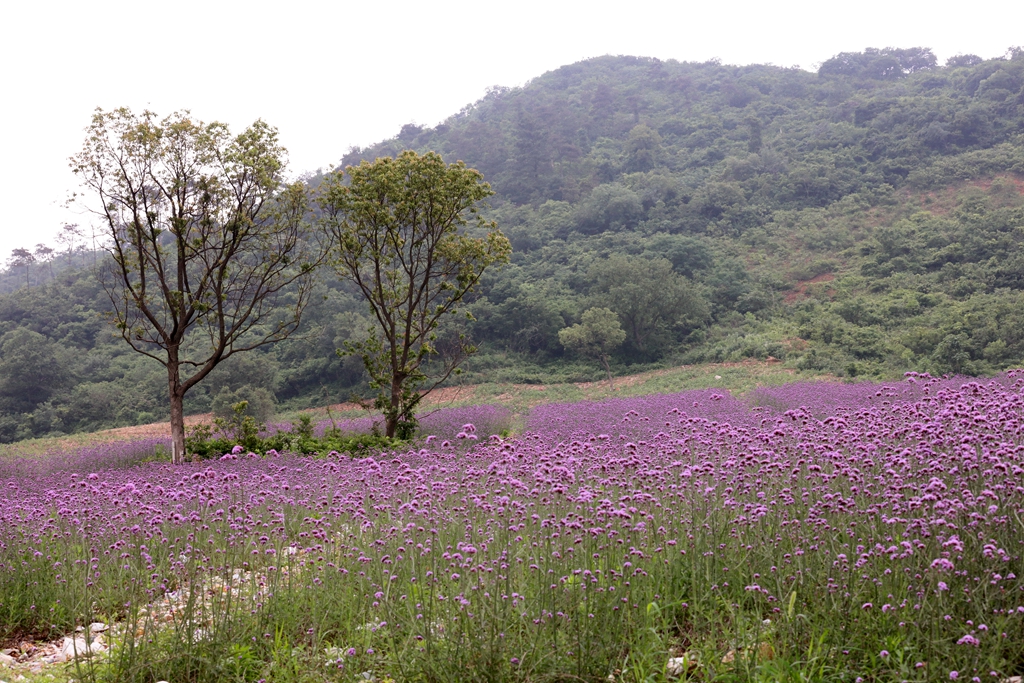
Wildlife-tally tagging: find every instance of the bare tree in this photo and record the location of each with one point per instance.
(206, 240)
(69, 236)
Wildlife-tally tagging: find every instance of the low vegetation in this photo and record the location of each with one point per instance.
(807, 532)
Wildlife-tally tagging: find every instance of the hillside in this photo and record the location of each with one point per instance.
(860, 221)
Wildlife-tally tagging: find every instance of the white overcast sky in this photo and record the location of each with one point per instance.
(331, 75)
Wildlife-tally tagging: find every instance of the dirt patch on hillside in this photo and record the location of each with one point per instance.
(436, 398)
(153, 430)
(799, 291)
(941, 202)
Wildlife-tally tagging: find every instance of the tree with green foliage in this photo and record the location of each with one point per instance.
(882, 64)
(952, 354)
(31, 370)
(44, 254)
(204, 236)
(400, 228)
(651, 300)
(642, 148)
(597, 335)
(22, 258)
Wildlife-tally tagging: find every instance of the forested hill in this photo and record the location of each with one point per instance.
(865, 219)
(718, 149)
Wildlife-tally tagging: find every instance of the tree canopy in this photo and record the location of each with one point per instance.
(652, 301)
(597, 334)
(400, 228)
(203, 235)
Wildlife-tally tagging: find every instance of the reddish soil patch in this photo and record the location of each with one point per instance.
(800, 290)
(155, 429)
(632, 380)
(987, 184)
(941, 202)
(437, 397)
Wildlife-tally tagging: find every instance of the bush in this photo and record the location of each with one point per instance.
(260, 403)
(242, 430)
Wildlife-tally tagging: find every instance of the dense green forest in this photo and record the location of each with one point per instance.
(863, 220)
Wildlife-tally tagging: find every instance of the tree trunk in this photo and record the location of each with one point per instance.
(177, 414)
(604, 359)
(394, 412)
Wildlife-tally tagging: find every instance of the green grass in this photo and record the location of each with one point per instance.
(737, 378)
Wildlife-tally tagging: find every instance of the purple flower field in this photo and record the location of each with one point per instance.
(805, 532)
(114, 455)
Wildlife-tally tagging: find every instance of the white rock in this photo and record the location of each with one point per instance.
(75, 647)
(6, 659)
(97, 627)
(676, 666)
